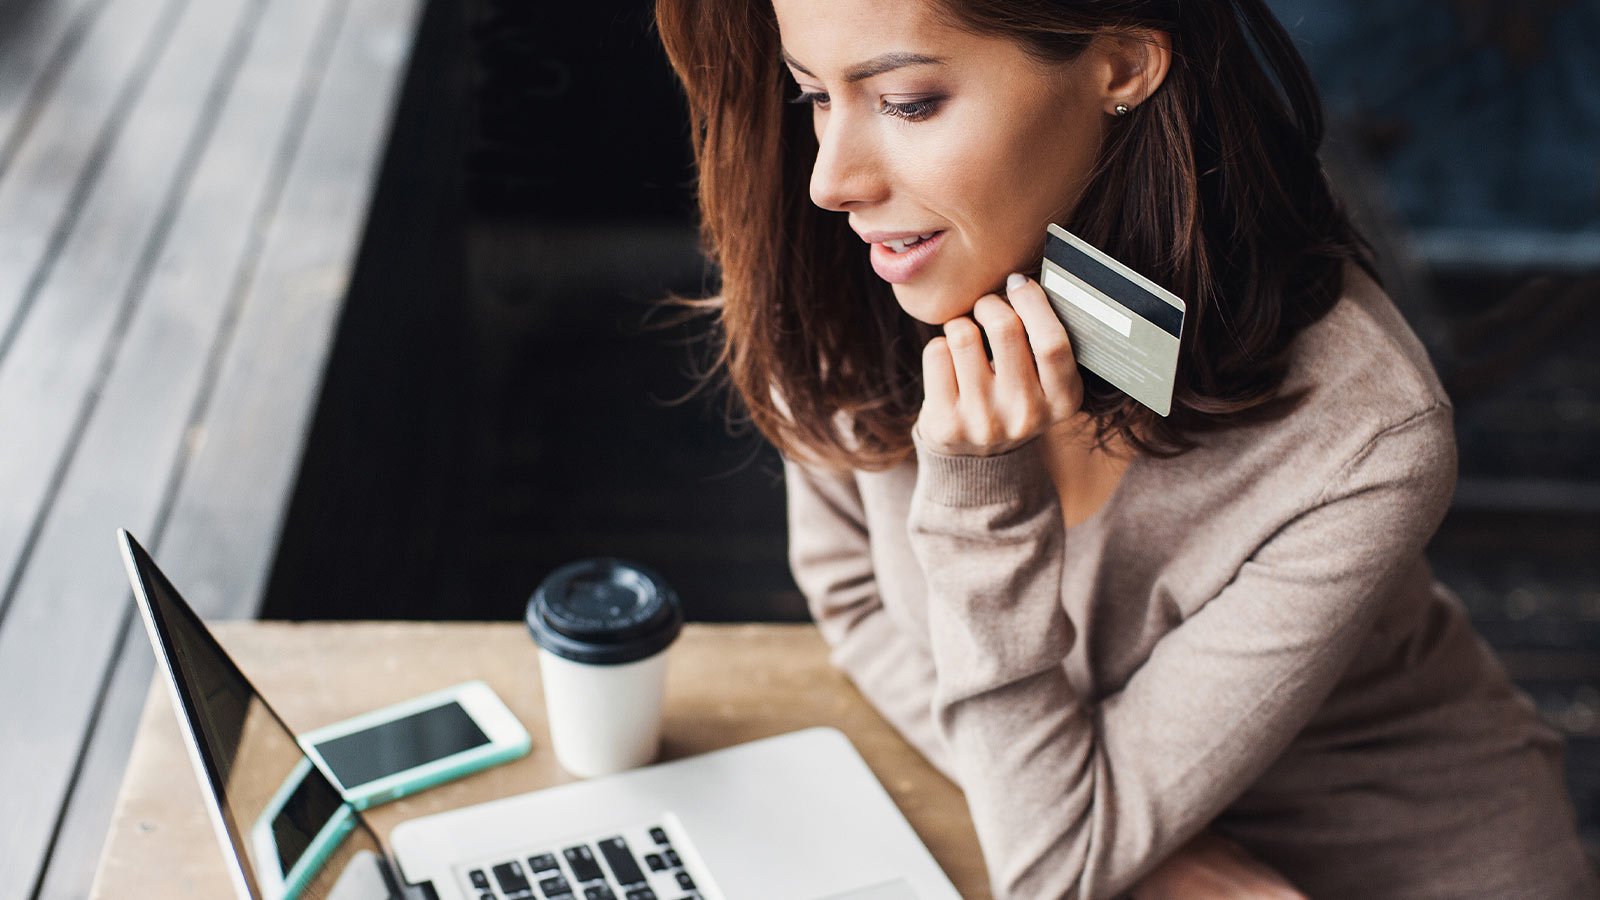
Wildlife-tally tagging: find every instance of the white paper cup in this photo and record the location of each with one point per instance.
(603, 719)
(603, 627)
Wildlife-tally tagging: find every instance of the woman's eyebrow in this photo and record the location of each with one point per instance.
(874, 66)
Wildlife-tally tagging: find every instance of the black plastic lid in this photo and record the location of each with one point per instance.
(604, 611)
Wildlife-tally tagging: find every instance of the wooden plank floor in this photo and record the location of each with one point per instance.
(183, 190)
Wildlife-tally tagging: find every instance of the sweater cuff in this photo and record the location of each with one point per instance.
(965, 481)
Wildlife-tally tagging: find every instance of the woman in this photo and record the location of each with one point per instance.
(1198, 655)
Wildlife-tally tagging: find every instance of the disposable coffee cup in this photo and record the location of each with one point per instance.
(603, 627)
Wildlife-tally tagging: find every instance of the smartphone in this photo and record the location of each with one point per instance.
(297, 833)
(295, 845)
(398, 750)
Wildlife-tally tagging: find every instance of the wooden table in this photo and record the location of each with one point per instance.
(726, 684)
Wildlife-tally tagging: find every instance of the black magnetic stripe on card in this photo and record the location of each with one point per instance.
(1115, 285)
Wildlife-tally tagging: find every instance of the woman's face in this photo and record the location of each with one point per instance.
(983, 147)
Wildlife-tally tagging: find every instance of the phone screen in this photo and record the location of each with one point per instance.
(401, 744)
(305, 813)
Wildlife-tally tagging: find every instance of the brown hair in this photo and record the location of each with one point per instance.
(1212, 188)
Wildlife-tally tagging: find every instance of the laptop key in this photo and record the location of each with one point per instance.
(510, 877)
(659, 836)
(641, 894)
(685, 882)
(598, 892)
(544, 862)
(479, 880)
(584, 866)
(673, 860)
(623, 865)
(655, 862)
(556, 885)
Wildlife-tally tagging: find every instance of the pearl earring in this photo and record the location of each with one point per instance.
(1121, 109)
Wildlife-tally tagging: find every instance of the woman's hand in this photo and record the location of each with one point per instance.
(1211, 867)
(971, 408)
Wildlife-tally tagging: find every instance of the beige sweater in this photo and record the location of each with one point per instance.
(1246, 637)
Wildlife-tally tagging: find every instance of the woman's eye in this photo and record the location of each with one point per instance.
(814, 98)
(912, 111)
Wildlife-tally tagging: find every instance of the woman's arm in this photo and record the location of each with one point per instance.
(830, 556)
(1079, 801)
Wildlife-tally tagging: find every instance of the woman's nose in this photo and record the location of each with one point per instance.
(847, 170)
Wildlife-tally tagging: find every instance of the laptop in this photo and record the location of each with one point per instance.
(798, 816)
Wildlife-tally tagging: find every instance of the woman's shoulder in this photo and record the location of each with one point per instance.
(1371, 401)
(1362, 365)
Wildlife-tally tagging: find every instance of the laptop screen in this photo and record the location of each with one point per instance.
(293, 834)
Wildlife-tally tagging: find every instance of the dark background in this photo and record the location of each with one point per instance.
(504, 397)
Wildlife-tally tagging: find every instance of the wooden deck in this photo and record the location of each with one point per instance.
(184, 185)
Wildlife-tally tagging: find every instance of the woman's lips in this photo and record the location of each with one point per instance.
(897, 268)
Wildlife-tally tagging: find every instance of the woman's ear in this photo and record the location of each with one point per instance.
(1132, 65)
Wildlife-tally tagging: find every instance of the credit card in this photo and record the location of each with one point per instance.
(1124, 327)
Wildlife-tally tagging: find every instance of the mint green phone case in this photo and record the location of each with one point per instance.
(264, 848)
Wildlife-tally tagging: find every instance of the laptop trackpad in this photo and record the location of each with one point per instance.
(899, 889)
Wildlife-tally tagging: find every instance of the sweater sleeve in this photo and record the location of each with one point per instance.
(830, 556)
(1076, 800)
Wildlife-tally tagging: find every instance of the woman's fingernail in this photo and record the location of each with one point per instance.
(1015, 280)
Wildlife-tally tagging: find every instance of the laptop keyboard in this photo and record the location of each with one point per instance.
(639, 863)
